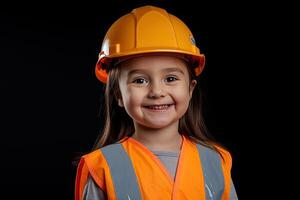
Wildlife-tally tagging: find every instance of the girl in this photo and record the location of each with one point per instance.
(154, 144)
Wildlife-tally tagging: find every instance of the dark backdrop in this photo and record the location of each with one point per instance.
(50, 97)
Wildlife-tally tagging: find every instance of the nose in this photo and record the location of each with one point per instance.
(156, 90)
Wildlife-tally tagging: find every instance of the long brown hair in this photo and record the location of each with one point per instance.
(118, 124)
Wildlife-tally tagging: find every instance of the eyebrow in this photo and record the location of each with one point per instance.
(163, 70)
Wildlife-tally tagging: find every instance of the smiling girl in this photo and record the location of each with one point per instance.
(154, 144)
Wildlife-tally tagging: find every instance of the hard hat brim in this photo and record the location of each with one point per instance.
(197, 61)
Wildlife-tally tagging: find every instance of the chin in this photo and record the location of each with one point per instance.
(157, 125)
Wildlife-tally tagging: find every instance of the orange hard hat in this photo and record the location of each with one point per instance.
(147, 29)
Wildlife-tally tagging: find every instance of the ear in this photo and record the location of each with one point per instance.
(120, 102)
(192, 87)
(118, 97)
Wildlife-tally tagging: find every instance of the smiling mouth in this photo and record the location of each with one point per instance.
(159, 107)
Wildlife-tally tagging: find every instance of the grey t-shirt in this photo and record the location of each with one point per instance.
(169, 159)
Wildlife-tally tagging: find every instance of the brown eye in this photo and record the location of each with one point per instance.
(139, 81)
(171, 78)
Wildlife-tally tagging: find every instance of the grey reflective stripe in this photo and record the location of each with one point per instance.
(212, 171)
(122, 172)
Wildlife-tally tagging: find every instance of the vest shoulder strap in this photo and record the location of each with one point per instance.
(212, 172)
(122, 172)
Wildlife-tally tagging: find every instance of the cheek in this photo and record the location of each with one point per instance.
(182, 101)
(133, 97)
(181, 94)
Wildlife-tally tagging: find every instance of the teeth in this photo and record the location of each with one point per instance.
(158, 107)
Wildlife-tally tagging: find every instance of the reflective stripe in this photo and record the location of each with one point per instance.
(122, 172)
(125, 180)
(212, 171)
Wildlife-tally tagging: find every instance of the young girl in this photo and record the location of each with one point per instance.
(154, 144)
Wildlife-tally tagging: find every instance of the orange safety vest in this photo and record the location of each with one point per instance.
(192, 180)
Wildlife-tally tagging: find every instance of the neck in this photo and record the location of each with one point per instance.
(165, 139)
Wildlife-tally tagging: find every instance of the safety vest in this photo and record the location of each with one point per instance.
(129, 170)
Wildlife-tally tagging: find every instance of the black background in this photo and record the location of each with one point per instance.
(50, 97)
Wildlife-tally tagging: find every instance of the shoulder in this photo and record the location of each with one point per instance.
(98, 153)
(226, 158)
(95, 166)
(218, 153)
(92, 161)
(221, 156)
(96, 160)
(94, 155)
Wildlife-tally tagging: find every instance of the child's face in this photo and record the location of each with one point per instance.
(155, 80)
